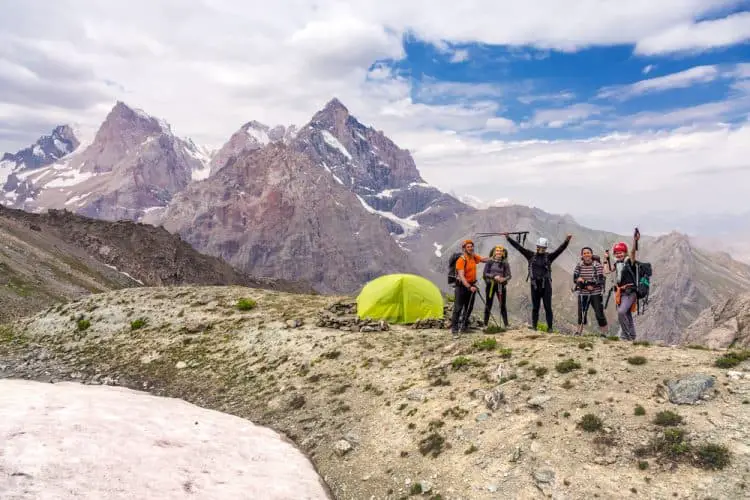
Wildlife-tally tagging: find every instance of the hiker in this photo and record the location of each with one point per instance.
(625, 291)
(466, 270)
(496, 276)
(540, 275)
(588, 277)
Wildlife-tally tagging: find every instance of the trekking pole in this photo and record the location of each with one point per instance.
(485, 306)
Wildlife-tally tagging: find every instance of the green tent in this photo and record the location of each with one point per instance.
(400, 298)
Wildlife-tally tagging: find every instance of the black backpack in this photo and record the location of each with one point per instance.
(452, 278)
(643, 272)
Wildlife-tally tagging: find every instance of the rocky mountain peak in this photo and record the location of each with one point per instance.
(45, 151)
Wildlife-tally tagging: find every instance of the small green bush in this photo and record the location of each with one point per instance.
(590, 423)
(584, 345)
(732, 359)
(639, 411)
(712, 456)
(567, 366)
(667, 418)
(523, 362)
(642, 343)
(485, 344)
(461, 362)
(613, 338)
(83, 324)
(505, 352)
(492, 329)
(540, 371)
(139, 323)
(642, 464)
(637, 360)
(592, 371)
(246, 304)
(541, 327)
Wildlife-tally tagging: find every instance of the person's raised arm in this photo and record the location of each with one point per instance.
(560, 249)
(524, 251)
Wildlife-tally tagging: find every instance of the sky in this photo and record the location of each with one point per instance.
(605, 110)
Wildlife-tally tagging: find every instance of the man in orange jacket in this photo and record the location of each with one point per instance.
(466, 271)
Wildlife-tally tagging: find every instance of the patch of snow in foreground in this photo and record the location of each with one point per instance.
(67, 440)
(438, 249)
(334, 143)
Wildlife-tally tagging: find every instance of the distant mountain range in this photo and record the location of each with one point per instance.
(334, 203)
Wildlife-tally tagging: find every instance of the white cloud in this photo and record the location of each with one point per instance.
(648, 69)
(560, 117)
(556, 97)
(651, 170)
(683, 79)
(500, 124)
(460, 56)
(695, 37)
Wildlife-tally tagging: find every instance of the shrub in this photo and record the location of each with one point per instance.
(245, 304)
(567, 366)
(613, 338)
(490, 329)
(461, 362)
(139, 323)
(643, 343)
(83, 324)
(540, 371)
(639, 411)
(712, 456)
(732, 359)
(642, 464)
(505, 352)
(584, 345)
(592, 371)
(637, 360)
(541, 327)
(590, 423)
(485, 344)
(667, 418)
(523, 362)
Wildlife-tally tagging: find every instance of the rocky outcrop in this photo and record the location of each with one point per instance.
(251, 136)
(272, 213)
(725, 324)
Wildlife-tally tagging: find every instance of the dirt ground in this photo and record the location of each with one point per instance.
(404, 412)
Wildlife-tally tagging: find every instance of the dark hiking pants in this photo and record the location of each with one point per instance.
(462, 307)
(594, 301)
(541, 291)
(491, 290)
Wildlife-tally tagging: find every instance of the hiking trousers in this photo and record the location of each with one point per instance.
(541, 291)
(596, 302)
(492, 289)
(625, 316)
(463, 304)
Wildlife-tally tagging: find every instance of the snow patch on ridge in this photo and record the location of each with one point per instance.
(409, 225)
(334, 143)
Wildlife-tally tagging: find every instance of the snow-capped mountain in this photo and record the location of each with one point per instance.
(383, 176)
(252, 135)
(480, 204)
(134, 165)
(46, 150)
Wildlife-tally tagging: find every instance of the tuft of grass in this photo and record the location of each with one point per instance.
(523, 362)
(711, 456)
(592, 371)
(138, 323)
(668, 418)
(456, 412)
(642, 343)
(83, 324)
(698, 347)
(732, 359)
(246, 304)
(541, 327)
(432, 445)
(485, 344)
(540, 371)
(567, 384)
(461, 362)
(567, 366)
(505, 352)
(613, 338)
(471, 450)
(584, 345)
(490, 329)
(639, 411)
(642, 464)
(566, 414)
(590, 423)
(416, 489)
(637, 360)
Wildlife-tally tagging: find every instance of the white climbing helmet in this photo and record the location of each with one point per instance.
(541, 242)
